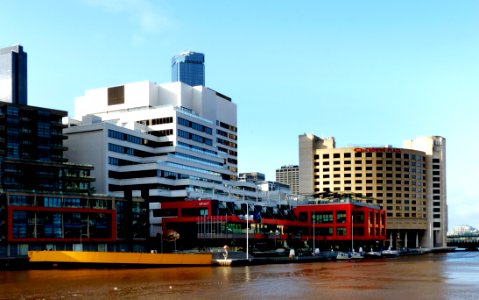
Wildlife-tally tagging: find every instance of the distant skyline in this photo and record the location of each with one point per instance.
(366, 72)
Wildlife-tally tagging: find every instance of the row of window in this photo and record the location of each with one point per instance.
(359, 194)
(195, 126)
(165, 132)
(227, 126)
(195, 137)
(381, 188)
(226, 134)
(157, 121)
(226, 143)
(371, 175)
(198, 159)
(204, 171)
(125, 137)
(405, 215)
(419, 182)
(120, 149)
(197, 149)
(370, 154)
(370, 162)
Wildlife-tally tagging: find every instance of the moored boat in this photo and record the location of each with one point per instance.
(342, 256)
(390, 253)
(356, 255)
(349, 255)
(373, 254)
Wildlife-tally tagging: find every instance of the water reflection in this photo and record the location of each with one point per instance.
(448, 276)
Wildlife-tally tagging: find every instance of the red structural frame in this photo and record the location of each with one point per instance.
(11, 209)
(373, 225)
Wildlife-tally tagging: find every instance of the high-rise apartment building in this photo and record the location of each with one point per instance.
(188, 67)
(13, 75)
(45, 201)
(31, 152)
(409, 183)
(289, 175)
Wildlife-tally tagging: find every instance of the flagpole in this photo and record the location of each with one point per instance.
(352, 233)
(247, 231)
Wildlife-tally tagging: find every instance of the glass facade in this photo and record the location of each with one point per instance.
(51, 216)
(188, 67)
(31, 152)
(13, 75)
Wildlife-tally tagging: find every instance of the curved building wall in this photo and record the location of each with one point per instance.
(393, 178)
(409, 183)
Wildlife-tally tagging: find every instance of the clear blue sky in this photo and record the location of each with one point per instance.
(365, 72)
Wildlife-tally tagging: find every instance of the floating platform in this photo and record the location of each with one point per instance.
(48, 259)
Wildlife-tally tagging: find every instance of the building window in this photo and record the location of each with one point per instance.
(341, 216)
(116, 95)
(322, 217)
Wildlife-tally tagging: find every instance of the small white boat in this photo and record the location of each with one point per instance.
(373, 254)
(343, 256)
(356, 255)
(349, 255)
(390, 253)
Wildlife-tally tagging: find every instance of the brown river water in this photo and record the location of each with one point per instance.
(432, 276)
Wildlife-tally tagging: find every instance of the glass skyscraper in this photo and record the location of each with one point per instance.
(13, 75)
(188, 67)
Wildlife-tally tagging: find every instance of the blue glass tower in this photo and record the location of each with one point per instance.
(188, 67)
(13, 75)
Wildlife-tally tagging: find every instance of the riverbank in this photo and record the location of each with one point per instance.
(72, 259)
(427, 277)
(14, 263)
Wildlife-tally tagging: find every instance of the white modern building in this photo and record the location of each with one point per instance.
(161, 142)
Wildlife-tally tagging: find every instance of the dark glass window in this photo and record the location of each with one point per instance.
(116, 95)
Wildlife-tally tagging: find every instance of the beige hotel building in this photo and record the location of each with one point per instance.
(409, 183)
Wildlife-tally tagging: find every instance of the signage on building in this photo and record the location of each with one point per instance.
(381, 150)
